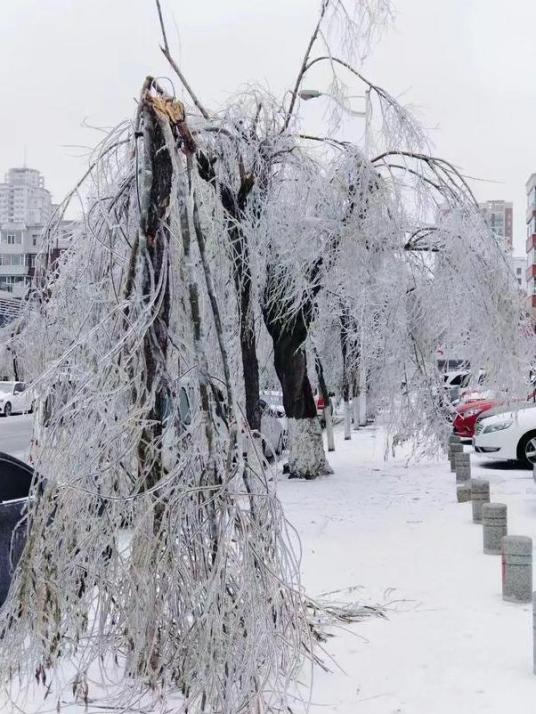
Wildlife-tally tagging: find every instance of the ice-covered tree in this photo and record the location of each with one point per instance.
(157, 558)
(157, 550)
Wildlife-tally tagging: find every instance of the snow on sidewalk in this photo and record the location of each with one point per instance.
(450, 644)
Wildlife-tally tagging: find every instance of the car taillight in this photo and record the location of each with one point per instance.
(319, 403)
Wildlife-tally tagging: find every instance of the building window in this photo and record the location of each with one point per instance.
(8, 281)
(12, 239)
(8, 259)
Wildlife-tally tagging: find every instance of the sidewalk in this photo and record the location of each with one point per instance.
(450, 644)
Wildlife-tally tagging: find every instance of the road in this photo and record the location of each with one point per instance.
(15, 435)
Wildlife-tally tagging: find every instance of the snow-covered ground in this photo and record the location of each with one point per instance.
(450, 644)
(397, 535)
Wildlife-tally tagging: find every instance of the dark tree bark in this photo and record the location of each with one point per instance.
(323, 387)
(306, 450)
(346, 376)
(154, 227)
(345, 327)
(290, 361)
(248, 342)
(328, 406)
(234, 204)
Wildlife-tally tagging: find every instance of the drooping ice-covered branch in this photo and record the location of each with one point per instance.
(156, 554)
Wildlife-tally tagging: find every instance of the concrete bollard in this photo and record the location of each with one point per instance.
(454, 449)
(462, 464)
(494, 527)
(463, 493)
(479, 496)
(517, 569)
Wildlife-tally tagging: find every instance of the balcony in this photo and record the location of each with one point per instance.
(13, 270)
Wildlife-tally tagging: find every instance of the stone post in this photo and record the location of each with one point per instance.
(454, 449)
(462, 464)
(494, 527)
(479, 496)
(517, 568)
(463, 492)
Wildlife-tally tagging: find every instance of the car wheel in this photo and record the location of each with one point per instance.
(7, 410)
(527, 449)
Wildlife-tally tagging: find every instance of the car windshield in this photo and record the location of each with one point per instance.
(457, 380)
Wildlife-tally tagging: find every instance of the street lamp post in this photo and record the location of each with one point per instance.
(360, 414)
(307, 94)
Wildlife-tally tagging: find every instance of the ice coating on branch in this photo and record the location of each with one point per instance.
(159, 551)
(155, 550)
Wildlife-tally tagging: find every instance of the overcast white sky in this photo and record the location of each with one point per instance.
(466, 66)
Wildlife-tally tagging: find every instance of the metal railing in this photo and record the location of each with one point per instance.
(9, 307)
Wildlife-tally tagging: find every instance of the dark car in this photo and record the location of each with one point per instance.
(15, 482)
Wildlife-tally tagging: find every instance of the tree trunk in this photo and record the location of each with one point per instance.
(347, 420)
(234, 203)
(362, 398)
(248, 346)
(157, 165)
(330, 435)
(355, 406)
(306, 449)
(344, 320)
(327, 402)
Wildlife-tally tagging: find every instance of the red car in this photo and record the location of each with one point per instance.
(467, 414)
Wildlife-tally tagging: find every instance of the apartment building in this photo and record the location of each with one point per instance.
(25, 209)
(531, 239)
(518, 264)
(19, 249)
(24, 198)
(498, 215)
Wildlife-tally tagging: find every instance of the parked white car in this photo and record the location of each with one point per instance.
(15, 398)
(508, 435)
(273, 428)
(459, 384)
